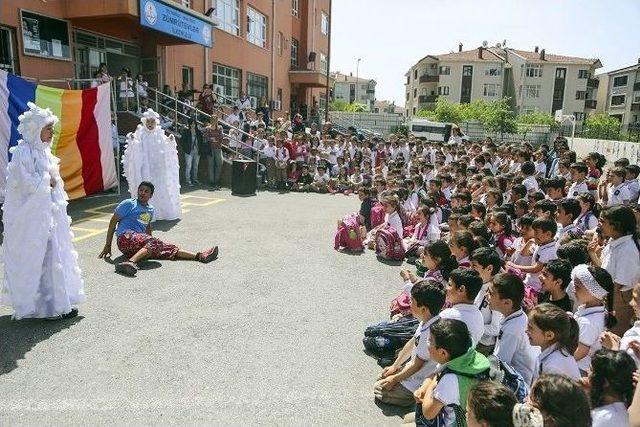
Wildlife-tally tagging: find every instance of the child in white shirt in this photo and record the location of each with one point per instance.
(578, 176)
(618, 192)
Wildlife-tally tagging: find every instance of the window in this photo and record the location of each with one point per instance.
(532, 91)
(581, 94)
(295, 7)
(257, 86)
(444, 70)
(44, 36)
(618, 99)
(8, 57)
(408, 79)
(229, 79)
(561, 73)
(228, 12)
(415, 93)
(467, 71)
(407, 96)
(294, 53)
(579, 116)
(558, 94)
(534, 70)
(256, 28)
(583, 74)
(414, 111)
(280, 42)
(491, 90)
(324, 23)
(324, 67)
(493, 72)
(443, 90)
(415, 74)
(620, 81)
(187, 78)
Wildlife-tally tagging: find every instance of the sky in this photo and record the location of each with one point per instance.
(390, 36)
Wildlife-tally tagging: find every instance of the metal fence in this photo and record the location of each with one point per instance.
(383, 123)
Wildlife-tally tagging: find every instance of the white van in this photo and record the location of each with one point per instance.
(430, 131)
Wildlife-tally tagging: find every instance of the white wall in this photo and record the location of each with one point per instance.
(612, 150)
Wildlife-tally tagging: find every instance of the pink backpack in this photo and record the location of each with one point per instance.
(348, 235)
(377, 214)
(389, 245)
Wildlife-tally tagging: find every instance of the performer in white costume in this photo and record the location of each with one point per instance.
(41, 273)
(152, 156)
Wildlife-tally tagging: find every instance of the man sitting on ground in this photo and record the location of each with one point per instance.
(132, 224)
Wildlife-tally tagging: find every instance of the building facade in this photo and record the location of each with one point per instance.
(534, 81)
(276, 49)
(354, 89)
(619, 94)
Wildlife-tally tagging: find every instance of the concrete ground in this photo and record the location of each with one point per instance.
(269, 334)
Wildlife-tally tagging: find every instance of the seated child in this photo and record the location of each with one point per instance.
(566, 215)
(611, 387)
(556, 333)
(412, 365)
(463, 287)
(320, 180)
(442, 400)
(554, 278)
(506, 294)
(490, 404)
(561, 401)
(305, 180)
(462, 245)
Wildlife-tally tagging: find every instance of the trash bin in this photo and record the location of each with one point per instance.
(243, 179)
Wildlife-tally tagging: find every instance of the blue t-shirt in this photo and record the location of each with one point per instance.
(134, 216)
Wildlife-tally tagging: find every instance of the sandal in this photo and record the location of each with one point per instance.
(127, 268)
(70, 315)
(208, 255)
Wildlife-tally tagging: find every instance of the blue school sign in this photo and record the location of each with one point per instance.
(170, 20)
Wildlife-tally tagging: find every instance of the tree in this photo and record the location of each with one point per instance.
(499, 118)
(527, 121)
(338, 105)
(602, 126)
(356, 108)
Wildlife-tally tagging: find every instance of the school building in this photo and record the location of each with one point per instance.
(276, 49)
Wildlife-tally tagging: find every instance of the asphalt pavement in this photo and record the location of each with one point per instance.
(269, 334)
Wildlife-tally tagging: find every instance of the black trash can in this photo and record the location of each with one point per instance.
(243, 178)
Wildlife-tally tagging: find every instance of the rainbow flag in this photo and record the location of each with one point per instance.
(82, 138)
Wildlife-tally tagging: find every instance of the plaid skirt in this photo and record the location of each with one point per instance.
(130, 242)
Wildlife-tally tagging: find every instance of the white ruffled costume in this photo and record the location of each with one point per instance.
(41, 274)
(152, 156)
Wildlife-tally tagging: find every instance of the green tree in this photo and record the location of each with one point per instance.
(527, 121)
(356, 108)
(602, 126)
(499, 118)
(338, 105)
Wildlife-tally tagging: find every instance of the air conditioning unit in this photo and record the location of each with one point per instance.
(254, 102)
(218, 89)
(277, 105)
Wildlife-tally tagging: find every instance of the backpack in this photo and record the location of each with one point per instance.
(377, 214)
(506, 375)
(385, 338)
(389, 244)
(348, 236)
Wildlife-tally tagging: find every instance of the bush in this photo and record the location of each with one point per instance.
(602, 126)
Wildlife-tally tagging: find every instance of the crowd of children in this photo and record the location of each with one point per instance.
(526, 282)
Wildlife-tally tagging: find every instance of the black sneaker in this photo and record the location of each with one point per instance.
(127, 268)
(70, 315)
(208, 255)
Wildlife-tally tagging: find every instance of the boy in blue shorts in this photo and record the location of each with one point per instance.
(131, 222)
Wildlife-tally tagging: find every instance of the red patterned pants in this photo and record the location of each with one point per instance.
(130, 243)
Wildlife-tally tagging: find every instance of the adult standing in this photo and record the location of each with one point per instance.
(41, 274)
(152, 156)
(125, 89)
(213, 136)
(194, 146)
(207, 99)
(244, 104)
(265, 110)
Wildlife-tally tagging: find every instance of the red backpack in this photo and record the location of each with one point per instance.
(377, 214)
(348, 235)
(389, 244)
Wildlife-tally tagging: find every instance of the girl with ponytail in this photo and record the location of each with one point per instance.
(502, 232)
(556, 333)
(591, 286)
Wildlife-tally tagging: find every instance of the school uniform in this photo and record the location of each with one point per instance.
(447, 193)
(620, 257)
(591, 323)
(554, 360)
(611, 415)
(421, 350)
(618, 195)
(513, 346)
(587, 221)
(632, 334)
(542, 254)
(464, 262)
(568, 230)
(634, 189)
(577, 188)
(394, 222)
(541, 168)
(490, 318)
(530, 184)
(470, 315)
(447, 391)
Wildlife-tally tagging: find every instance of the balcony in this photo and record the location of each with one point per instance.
(425, 78)
(424, 99)
(635, 106)
(590, 103)
(309, 77)
(593, 83)
(636, 86)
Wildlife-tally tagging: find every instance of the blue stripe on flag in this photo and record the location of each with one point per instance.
(20, 92)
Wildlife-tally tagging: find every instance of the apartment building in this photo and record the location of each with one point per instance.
(276, 49)
(619, 94)
(533, 80)
(354, 89)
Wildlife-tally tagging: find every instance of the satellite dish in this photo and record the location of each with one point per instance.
(485, 43)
